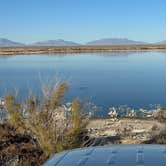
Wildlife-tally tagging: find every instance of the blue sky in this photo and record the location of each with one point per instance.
(82, 20)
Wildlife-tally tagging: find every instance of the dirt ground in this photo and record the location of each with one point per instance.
(131, 131)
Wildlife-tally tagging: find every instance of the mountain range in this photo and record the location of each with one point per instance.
(108, 41)
(162, 42)
(9, 43)
(58, 42)
(115, 41)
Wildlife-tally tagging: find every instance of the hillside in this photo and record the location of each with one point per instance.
(115, 41)
(58, 42)
(9, 43)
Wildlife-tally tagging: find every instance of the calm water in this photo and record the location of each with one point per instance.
(106, 79)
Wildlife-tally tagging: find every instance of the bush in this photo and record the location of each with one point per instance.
(160, 114)
(48, 121)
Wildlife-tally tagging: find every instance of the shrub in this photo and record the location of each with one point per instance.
(48, 121)
(160, 114)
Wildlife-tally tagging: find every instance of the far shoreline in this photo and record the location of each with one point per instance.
(77, 49)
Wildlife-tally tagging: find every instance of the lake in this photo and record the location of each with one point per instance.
(135, 79)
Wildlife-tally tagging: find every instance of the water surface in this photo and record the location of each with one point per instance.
(135, 79)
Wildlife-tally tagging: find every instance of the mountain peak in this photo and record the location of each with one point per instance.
(115, 41)
(161, 42)
(58, 42)
(9, 43)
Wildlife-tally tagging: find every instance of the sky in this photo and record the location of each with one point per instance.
(82, 20)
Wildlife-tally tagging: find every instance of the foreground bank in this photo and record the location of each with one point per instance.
(33, 130)
(22, 149)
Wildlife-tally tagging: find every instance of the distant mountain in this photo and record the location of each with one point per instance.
(107, 41)
(115, 41)
(162, 42)
(9, 43)
(58, 42)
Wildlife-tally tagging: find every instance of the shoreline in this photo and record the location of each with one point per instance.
(77, 49)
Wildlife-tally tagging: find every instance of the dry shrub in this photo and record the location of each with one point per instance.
(49, 122)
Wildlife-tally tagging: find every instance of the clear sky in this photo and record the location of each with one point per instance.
(82, 20)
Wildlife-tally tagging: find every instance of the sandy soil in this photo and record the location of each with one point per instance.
(131, 131)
